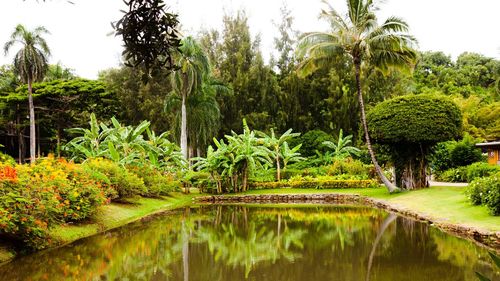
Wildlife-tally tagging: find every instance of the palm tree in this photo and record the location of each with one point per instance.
(193, 65)
(275, 144)
(30, 64)
(359, 36)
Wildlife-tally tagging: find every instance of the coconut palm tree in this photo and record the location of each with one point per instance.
(31, 64)
(359, 36)
(187, 80)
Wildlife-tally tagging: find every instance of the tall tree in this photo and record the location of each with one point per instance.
(359, 36)
(31, 64)
(188, 79)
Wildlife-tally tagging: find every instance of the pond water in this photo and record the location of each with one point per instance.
(317, 242)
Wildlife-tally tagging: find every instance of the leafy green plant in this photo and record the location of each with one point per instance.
(496, 260)
(486, 191)
(342, 148)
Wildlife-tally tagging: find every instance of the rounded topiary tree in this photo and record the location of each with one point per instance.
(410, 126)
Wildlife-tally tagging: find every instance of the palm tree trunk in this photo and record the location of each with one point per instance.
(278, 172)
(381, 231)
(32, 123)
(20, 137)
(390, 187)
(184, 148)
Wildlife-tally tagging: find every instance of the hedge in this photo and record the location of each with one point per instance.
(317, 184)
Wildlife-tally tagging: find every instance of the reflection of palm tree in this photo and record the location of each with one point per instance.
(383, 227)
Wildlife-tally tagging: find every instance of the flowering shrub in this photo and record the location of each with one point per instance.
(486, 191)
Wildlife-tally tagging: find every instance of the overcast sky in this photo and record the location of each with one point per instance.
(80, 32)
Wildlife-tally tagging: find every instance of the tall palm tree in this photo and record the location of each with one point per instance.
(359, 36)
(193, 65)
(30, 64)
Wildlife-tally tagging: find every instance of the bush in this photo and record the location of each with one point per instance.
(77, 194)
(453, 175)
(7, 159)
(452, 154)
(350, 168)
(157, 183)
(115, 177)
(486, 191)
(465, 153)
(480, 169)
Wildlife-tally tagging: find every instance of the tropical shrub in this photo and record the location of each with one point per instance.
(115, 177)
(157, 183)
(486, 191)
(350, 167)
(467, 173)
(341, 149)
(452, 154)
(453, 175)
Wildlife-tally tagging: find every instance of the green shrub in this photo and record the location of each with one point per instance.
(453, 175)
(263, 175)
(125, 183)
(7, 159)
(486, 191)
(350, 167)
(480, 169)
(465, 153)
(157, 182)
(200, 180)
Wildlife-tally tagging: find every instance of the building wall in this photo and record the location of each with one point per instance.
(494, 156)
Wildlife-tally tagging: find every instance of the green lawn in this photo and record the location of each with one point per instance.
(442, 203)
(118, 214)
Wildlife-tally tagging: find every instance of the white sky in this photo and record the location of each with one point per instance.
(79, 33)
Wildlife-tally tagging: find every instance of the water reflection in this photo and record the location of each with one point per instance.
(240, 243)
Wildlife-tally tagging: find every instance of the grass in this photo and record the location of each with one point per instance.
(441, 203)
(118, 214)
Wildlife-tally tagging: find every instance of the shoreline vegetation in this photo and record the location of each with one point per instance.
(444, 207)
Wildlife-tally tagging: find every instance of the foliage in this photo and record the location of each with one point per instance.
(452, 154)
(311, 142)
(317, 184)
(409, 126)
(351, 167)
(468, 173)
(113, 176)
(157, 182)
(124, 144)
(415, 119)
(235, 161)
(486, 191)
(7, 159)
(149, 34)
(341, 149)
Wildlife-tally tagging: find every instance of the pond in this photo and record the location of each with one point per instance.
(316, 242)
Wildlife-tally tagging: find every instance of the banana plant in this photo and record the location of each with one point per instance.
(275, 144)
(290, 155)
(342, 149)
(90, 143)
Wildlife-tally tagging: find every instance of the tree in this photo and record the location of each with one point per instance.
(150, 35)
(188, 80)
(410, 126)
(31, 64)
(364, 41)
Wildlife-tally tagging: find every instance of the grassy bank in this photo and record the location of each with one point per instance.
(109, 217)
(441, 203)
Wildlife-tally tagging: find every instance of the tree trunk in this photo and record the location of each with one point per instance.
(390, 187)
(278, 172)
(38, 150)
(20, 137)
(411, 169)
(245, 177)
(184, 148)
(58, 136)
(32, 123)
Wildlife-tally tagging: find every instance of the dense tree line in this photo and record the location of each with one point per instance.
(268, 95)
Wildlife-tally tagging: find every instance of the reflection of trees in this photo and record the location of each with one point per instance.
(223, 243)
